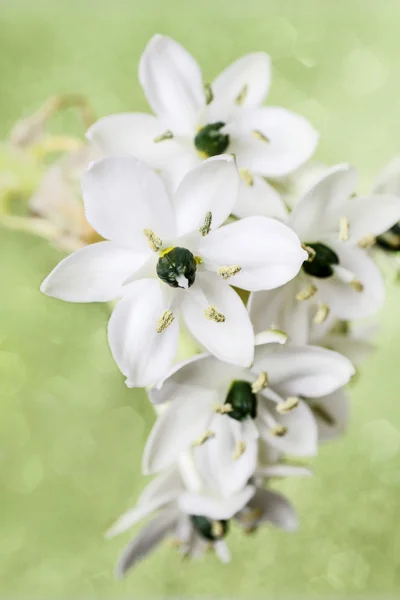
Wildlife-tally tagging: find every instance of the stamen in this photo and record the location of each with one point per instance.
(226, 272)
(154, 242)
(203, 438)
(246, 176)
(306, 293)
(205, 229)
(344, 229)
(367, 241)
(251, 515)
(208, 93)
(199, 260)
(261, 383)
(322, 314)
(357, 285)
(223, 409)
(278, 430)
(213, 315)
(167, 135)
(165, 321)
(290, 403)
(321, 412)
(310, 251)
(217, 529)
(239, 449)
(260, 136)
(241, 97)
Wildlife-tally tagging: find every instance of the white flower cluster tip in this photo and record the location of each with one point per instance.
(188, 205)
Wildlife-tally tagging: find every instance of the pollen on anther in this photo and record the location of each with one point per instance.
(344, 229)
(357, 285)
(367, 241)
(322, 314)
(247, 177)
(242, 95)
(205, 229)
(203, 438)
(261, 383)
(217, 529)
(288, 405)
(167, 135)
(278, 430)
(223, 409)
(155, 242)
(226, 272)
(306, 293)
(213, 315)
(310, 251)
(165, 321)
(208, 93)
(260, 136)
(239, 449)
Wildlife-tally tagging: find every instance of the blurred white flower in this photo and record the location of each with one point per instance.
(193, 122)
(340, 277)
(176, 259)
(220, 410)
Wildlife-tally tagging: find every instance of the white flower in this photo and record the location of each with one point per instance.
(193, 517)
(220, 410)
(192, 122)
(176, 259)
(341, 278)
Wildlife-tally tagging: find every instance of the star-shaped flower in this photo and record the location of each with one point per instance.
(169, 257)
(193, 121)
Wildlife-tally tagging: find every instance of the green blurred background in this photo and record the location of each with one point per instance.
(71, 434)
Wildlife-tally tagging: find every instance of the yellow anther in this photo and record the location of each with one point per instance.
(205, 229)
(167, 135)
(203, 438)
(154, 242)
(367, 241)
(306, 293)
(242, 95)
(239, 449)
(213, 315)
(322, 314)
(217, 529)
(252, 515)
(310, 251)
(278, 430)
(208, 93)
(357, 285)
(165, 321)
(290, 403)
(260, 136)
(321, 413)
(261, 383)
(223, 409)
(344, 229)
(166, 251)
(199, 260)
(247, 177)
(226, 272)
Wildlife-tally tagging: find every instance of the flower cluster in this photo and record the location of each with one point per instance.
(196, 236)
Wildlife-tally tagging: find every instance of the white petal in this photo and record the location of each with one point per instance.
(388, 180)
(178, 427)
(215, 507)
(332, 420)
(93, 274)
(345, 302)
(172, 82)
(202, 371)
(134, 134)
(149, 537)
(276, 509)
(166, 482)
(282, 470)
(213, 187)
(370, 216)
(307, 371)
(259, 199)
(271, 336)
(316, 213)
(222, 551)
(232, 340)
(143, 355)
(122, 197)
(290, 140)
(251, 72)
(280, 309)
(268, 252)
(356, 349)
(301, 438)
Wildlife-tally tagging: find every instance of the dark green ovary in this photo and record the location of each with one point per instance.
(206, 528)
(242, 400)
(178, 261)
(321, 265)
(210, 141)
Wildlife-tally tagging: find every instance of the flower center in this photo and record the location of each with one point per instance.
(321, 264)
(208, 529)
(390, 240)
(242, 401)
(209, 141)
(177, 267)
